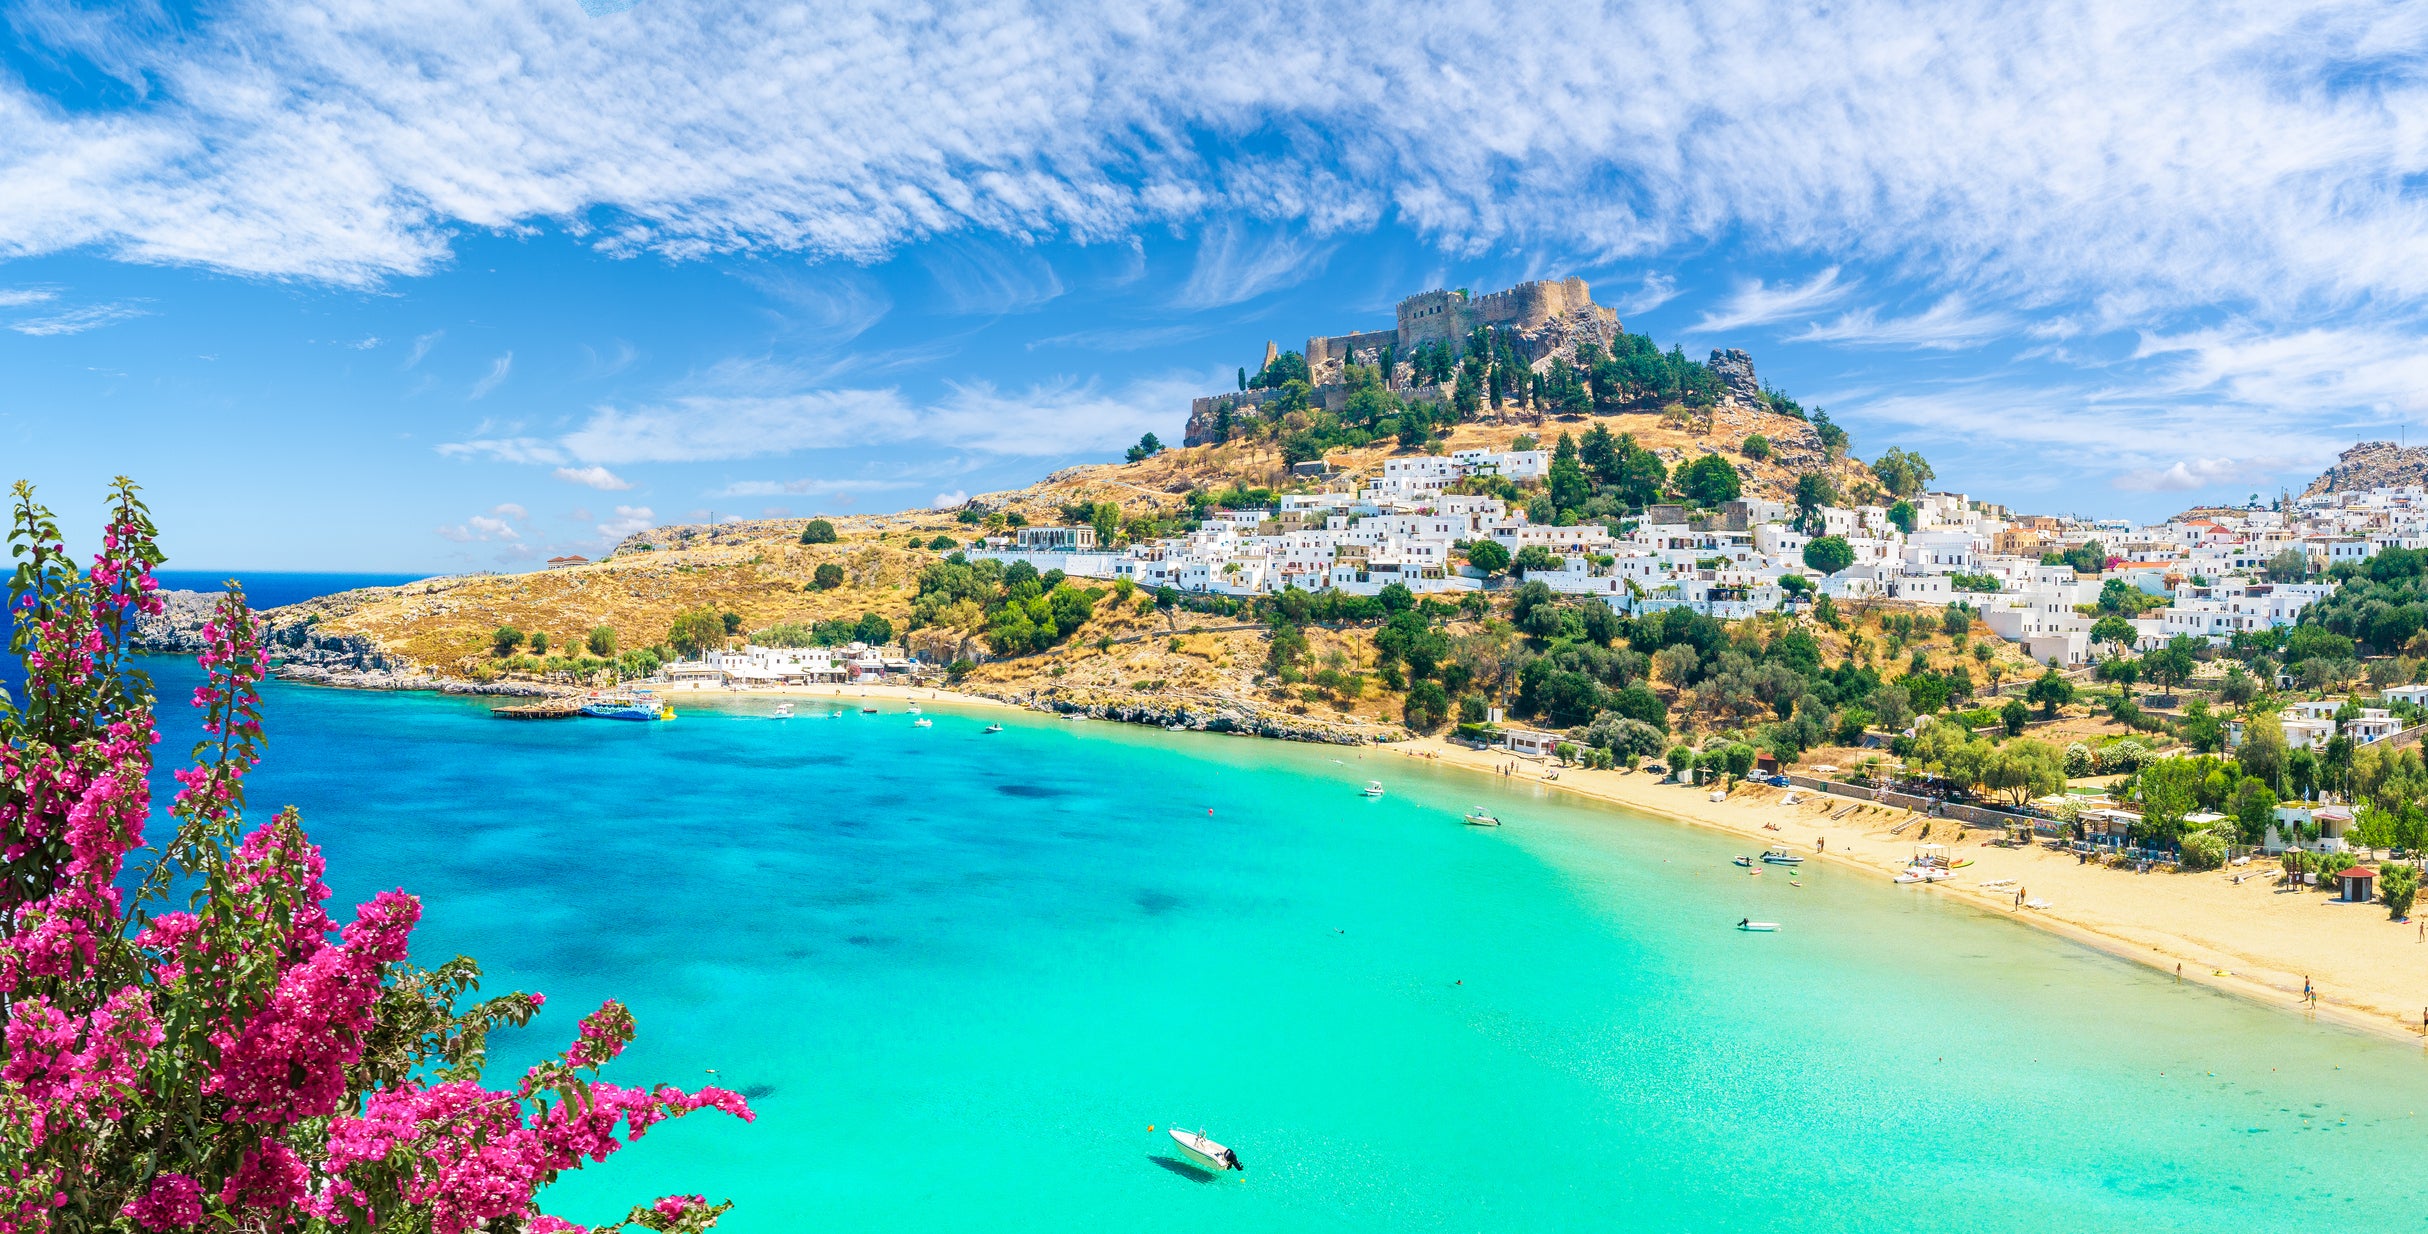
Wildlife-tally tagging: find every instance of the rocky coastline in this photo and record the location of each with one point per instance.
(1205, 713)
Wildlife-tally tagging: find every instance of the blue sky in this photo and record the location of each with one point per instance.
(438, 286)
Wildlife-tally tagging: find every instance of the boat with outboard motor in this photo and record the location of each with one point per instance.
(1205, 1154)
(1477, 817)
(1374, 788)
(1780, 856)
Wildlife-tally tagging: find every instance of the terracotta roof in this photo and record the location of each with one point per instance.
(2357, 872)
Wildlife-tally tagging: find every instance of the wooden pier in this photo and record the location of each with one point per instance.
(545, 709)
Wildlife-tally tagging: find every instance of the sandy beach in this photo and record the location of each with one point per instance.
(2248, 937)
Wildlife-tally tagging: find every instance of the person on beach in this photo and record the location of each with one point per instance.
(2309, 994)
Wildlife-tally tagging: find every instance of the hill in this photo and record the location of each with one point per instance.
(2372, 464)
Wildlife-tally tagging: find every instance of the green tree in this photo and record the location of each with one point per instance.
(1147, 447)
(2201, 728)
(2014, 716)
(819, 531)
(1709, 481)
(539, 642)
(827, 576)
(1829, 554)
(504, 639)
(1755, 447)
(1488, 556)
(2114, 631)
(1105, 517)
(1902, 472)
(1567, 483)
(2050, 692)
(2398, 883)
(601, 641)
(2023, 769)
(2262, 754)
(2166, 787)
(696, 631)
(2289, 566)
(2254, 809)
(876, 631)
(1813, 491)
(1427, 706)
(733, 623)
(2172, 665)
(1904, 516)
(1537, 557)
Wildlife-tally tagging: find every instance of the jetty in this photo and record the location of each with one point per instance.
(545, 709)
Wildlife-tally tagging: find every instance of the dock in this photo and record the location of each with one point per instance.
(545, 709)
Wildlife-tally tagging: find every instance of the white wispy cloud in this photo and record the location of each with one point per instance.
(988, 279)
(20, 297)
(1758, 303)
(497, 524)
(751, 410)
(495, 377)
(1236, 263)
(1947, 325)
(2184, 475)
(594, 477)
(422, 343)
(77, 320)
(949, 501)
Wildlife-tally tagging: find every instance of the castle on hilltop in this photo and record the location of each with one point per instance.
(1540, 320)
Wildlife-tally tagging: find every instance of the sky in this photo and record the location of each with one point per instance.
(449, 285)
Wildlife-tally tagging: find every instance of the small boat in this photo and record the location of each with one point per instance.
(1925, 874)
(923, 722)
(1204, 1153)
(994, 728)
(1779, 856)
(1758, 927)
(1742, 859)
(1478, 818)
(1374, 788)
(914, 708)
(784, 711)
(868, 711)
(1182, 728)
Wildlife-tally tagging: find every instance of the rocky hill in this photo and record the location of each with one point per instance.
(2372, 464)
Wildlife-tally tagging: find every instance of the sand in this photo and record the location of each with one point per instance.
(2254, 938)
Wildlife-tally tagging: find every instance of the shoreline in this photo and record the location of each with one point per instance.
(2208, 937)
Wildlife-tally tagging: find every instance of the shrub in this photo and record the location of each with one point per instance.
(504, 639)
(826, 577)
(229, 1065)
(2398, 885)
(2203, 850)
(1756, 447)
(601, 641)
(819, 531)
(2078, 761)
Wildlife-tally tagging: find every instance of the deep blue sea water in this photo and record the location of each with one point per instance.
(967, 973)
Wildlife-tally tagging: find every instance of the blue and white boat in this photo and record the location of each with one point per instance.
(624, 707)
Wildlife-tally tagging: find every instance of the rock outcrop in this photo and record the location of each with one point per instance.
(1204, 713)
(1735, 369)
(2373, 464)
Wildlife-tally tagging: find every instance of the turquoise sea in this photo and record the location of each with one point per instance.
(964, 974)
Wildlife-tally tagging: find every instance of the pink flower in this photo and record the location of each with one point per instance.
(173, 1203)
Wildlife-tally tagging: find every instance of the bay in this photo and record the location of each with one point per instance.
(964, 974)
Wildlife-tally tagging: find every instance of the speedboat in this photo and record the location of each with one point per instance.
(1374, 788)
(923, 722)
(914, 708)
(784, 711)
(1478, 818)
(1742, 859)
(1779, 856)
(1758, 927)
(994, 728)
(1204, 1153)
(868, 710)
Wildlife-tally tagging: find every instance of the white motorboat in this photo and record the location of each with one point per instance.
(1205, 1154)
(1478, 818)
(914, 708)
(1742, 859)
(994, 728)
(1758, 927)
(784, 711)
(1374, 788)
(923, 722)
(1779, 856)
